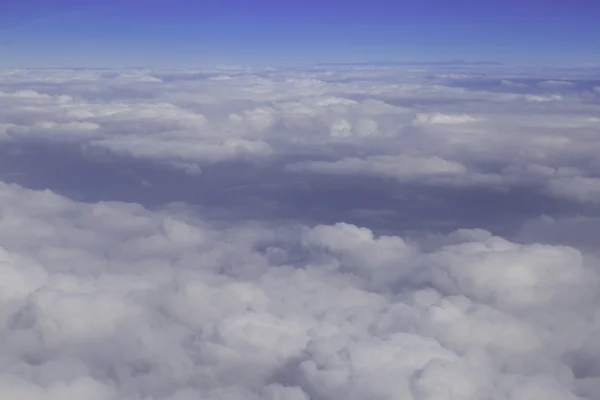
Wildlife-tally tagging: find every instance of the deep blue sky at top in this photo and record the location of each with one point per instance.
(185, 32)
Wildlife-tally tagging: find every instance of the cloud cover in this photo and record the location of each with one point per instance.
(120, 300)
(110, 300)
(540, 133)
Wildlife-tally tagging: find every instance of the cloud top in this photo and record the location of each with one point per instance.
(248, 286)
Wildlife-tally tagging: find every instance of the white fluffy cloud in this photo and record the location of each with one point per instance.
(402, 168)
(439, 118)
(108, 300)
(554, 83)
(111, 301)
(197, 118)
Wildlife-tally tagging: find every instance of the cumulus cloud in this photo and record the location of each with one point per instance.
(556, 83)
(473, 273)
(542, 99)
(509, 83)
(439, 118)
(111, 300)
(402, 168)
(341, 128)
(577, 188)
(365, 120)
(189, 150)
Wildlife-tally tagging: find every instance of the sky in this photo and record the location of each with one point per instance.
(184, 32)
(299, 200)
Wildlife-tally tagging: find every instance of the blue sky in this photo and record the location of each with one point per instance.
(183, 32)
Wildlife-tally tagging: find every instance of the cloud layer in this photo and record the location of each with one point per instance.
(227, 262)
(110, 300)
(376, 122)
